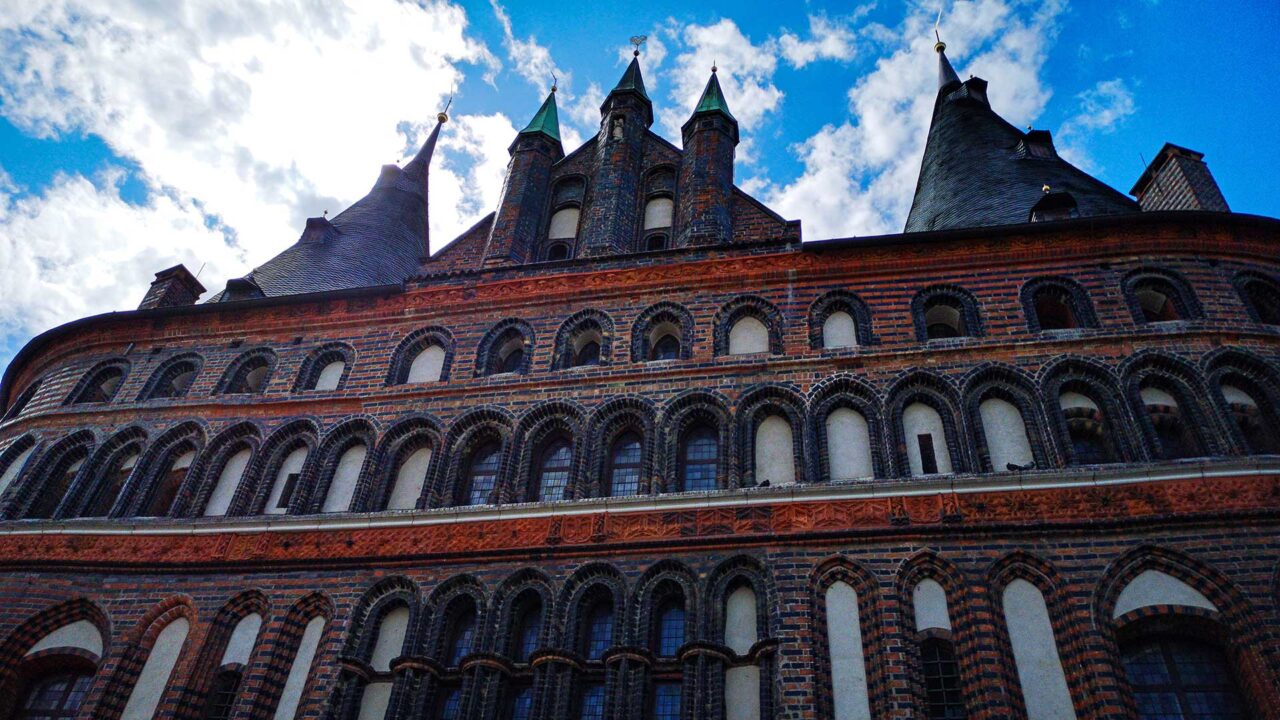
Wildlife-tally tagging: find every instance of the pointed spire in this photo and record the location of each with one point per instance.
(420, 167)
(546, 120)
(632, 79)
(713, 98)
(946, 73)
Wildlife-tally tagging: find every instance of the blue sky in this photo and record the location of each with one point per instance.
(136, 135)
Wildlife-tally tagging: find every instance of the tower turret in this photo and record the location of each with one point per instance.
(703, 215)
(518, 222)
(609, 220)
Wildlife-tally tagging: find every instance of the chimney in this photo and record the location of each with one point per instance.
(174, 286)
(1178, 179)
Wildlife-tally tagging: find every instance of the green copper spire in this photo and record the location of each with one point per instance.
(547, 121)
(713, 98)
(631, 79)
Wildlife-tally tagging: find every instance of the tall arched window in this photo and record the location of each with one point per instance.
(927, 450)
(625, 459)
(700, 459)
(597, 631)
(1087, 428)
(943, 698)
(775, 452)
(286, 482)
(1262, 297)
(411, 476)
(1173, 436)
(553, 471)
(1260, 435)
(669, 632)
(528, 630)
(57, 696)
(848, 446)
(1005, 431)
(741, 633)
(60, 476)
(168, 483)
(229, 477)
(462, 632)
(482, 474)
(1177, 678)
(110, 483)
(342, 487)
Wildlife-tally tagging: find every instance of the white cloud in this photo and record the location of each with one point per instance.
(263, 113)
(78, 249)
(531, 60)
(829, 40)
(859, 175)
(1101, 109)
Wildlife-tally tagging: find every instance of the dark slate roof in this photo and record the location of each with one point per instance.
(380, 240)
(978, 170)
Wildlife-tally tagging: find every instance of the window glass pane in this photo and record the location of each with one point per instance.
(624, 472)
(451, 705)
(56, 697)
(666, 701)
(941, 681)
(464, 630)
(667, 348)
(484, 471)
(700, 459)
(599, 634)
(526, 641)
(1181, 679)
(522, 704)
(554, 475)
(670, 630)
(593, 702)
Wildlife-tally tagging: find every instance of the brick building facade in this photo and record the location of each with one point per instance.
(627, 448)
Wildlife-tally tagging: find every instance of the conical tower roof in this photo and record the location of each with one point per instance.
(631, 84)
(380, 240)
(978, 170)
(547, 120)
(632, 80)
(713, 99)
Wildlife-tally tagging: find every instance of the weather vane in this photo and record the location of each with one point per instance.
(939, 45)
(638, 40)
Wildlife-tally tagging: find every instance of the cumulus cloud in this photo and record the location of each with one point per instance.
(77, 249)
(828, 40)
(1101, 109)
(256, 113)
(859, 175)
(267, 113)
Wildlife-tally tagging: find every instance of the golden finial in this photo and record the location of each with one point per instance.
(1045, 189)
(713, 67)
(554, 82)
(443, 115)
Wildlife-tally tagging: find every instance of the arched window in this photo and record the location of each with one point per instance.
(700, 459)
(1262, 298)
(741, 633)
(173, 379)
(145, 696)
(1087, 428)
(625, 459)
(1155, 299)
(24, 399)
(168, 483)
(342, 487)
(658, 213)
(1180, 679)
(1173, 436)
(56, 696)
(557, 251)
(669, 632)
(748, 336)
(597, 631)
(286, 482)
(1260, 435)
(505, 349)
(13, 460)
(482, 474)
(564, 224)
(222, 696)
(462, 632)
(844, 645)
(928, 452)
(943, 319)
(100, 385)
(110, 483)
(249, 375)
(528, 631)
(848, 445)
(588, 354)
(583, 340)
(943, 698)
(839, 331)
(58, 479)
(657, 241)
(1005, 431)
(666, 701)
(553, 471)
(592, 702)
(427, 365)
(775, 452)
(667, 347)
(1053, 309)
(1054, 206)
(330, 375)
(411, 477)
(229, 477)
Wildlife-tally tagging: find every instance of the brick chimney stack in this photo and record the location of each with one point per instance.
(173, 286)
(1178, 179)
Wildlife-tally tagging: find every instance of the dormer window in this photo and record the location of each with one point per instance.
(1055, 206)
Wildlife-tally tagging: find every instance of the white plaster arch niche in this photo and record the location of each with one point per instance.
(1156, 587)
